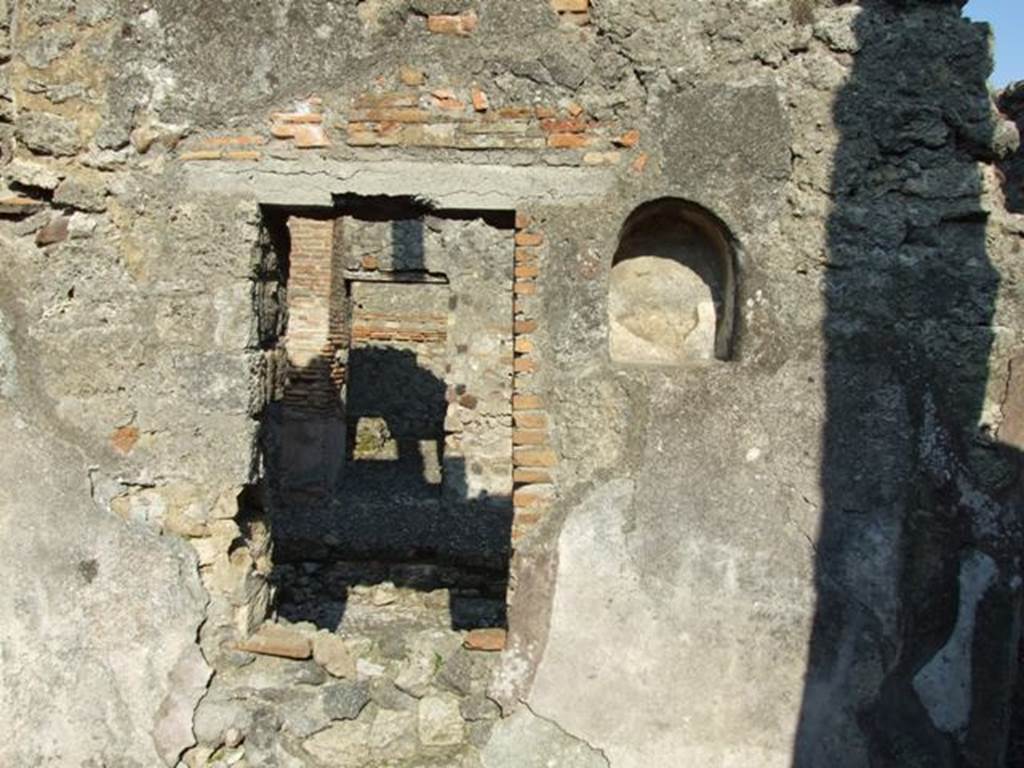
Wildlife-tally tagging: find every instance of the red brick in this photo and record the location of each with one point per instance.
(524, 365)
(480, 100)
(536, 495)
(124, 439)
(514, 112)
(523, 345)
(17, 205)
(222, 141)
(543, 113)
(527, 402)
(531, 420)
(524, 326)
(640, 163)
(628, 139)
(573, 125)
(444, 24)
(524, 288)
(310, 137)
(297, 118)
(522, 220)
(525, 255)
(521, 475)
(529, 437)
(568, 141)
(391, 115)
(490, 639)
(574, 109)
(529, 238)
(203, 154)
(534, 457)
(274, 640)
(573, 6)
(452, 105)
(526, 270)
(241, 154)
(391, 99)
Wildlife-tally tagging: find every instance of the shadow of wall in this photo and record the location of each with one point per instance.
(1011, 104)
(914, 637)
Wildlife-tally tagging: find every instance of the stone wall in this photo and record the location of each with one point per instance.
(1011, 104)
(803, 554)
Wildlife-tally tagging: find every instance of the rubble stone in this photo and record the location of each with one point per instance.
(48, 134)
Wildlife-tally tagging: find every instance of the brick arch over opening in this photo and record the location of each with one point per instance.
(672, 291)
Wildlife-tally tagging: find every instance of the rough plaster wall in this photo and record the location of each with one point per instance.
(100, 615)
(763, 491)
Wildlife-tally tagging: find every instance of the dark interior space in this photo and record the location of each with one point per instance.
(914, 638)
(398, 515)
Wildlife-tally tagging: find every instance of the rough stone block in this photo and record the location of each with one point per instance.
(54, 231)
(48, 134)
(411, 76)
(33, 174)
(276, 640)
(344, 701)
(440, 722)
(342, 745)
(330, 652)
(393, 734)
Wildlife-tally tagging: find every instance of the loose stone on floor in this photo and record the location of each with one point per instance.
(393, 686)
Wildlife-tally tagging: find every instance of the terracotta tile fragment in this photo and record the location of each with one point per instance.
(628, 139)
(491, 639)
(124, 439)
(480, 101)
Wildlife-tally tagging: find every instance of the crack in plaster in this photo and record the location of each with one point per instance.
(561, 728)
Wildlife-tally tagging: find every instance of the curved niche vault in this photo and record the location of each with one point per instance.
(672, 287)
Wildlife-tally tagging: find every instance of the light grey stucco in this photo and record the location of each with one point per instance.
(94, 610)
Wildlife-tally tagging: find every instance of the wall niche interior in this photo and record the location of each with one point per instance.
(672, 287)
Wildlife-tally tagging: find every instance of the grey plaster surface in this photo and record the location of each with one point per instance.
(482, 187)
(98, 619)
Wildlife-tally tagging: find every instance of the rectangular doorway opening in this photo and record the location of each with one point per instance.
(387, 445)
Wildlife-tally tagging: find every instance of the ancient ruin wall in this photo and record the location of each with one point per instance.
(802, 552)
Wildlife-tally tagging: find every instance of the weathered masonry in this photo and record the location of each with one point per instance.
(510, 383)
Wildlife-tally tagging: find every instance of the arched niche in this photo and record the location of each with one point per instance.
(672, 291)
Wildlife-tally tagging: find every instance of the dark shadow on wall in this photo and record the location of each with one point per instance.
(353, 508)
(1011, 104)
(913, 642)
(398, 512)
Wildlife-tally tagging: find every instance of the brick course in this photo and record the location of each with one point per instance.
(534, 459)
